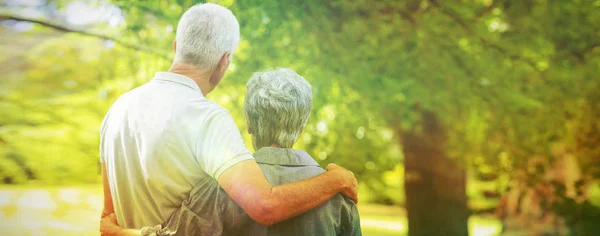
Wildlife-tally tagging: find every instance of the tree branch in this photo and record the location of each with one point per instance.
(487, 9)
(85, 33)
(484, 41)
(510, 55)
(451, 14)
(580, 55)
(405, 15)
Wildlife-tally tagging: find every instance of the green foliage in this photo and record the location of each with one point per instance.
(507, 78)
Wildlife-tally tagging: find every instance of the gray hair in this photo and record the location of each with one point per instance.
(277, 106)
(205, 33)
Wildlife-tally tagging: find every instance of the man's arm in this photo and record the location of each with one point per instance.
(108, 220)
(245, 183)
(108, 204)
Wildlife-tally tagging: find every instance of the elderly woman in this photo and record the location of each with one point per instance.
(277, 106)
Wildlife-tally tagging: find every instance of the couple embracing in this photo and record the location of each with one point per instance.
(174, 163)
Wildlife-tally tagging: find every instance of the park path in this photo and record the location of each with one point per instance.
(56, 211)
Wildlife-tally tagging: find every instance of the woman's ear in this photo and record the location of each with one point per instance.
(248, 124)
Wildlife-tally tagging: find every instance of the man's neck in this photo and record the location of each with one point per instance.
(201, 77)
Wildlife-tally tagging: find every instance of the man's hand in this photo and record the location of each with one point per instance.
(350, 183)
(109, 226)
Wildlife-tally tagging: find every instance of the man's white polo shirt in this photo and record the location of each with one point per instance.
(158, 140)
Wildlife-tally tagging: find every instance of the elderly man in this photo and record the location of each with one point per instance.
(277, 106)
(159, 140)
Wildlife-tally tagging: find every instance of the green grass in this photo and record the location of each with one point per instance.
(484, 226)
(380, 232)
(382, 220)
(54, 210)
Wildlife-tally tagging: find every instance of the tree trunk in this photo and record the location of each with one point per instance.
(436, 202)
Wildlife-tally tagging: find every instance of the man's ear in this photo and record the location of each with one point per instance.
(224, 62)
(174, 46)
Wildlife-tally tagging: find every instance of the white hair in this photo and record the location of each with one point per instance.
(204, 34)
(277, 106)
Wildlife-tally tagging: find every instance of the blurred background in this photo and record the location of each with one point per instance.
(458, 117)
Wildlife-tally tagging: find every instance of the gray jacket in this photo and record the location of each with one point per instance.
(210, 211)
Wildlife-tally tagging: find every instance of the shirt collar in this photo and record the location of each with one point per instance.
(284, 156)
(177, 78)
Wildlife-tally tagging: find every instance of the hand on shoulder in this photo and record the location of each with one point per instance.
(349, 182)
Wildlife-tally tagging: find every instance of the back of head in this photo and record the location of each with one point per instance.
(205, 33)
(277, 106)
